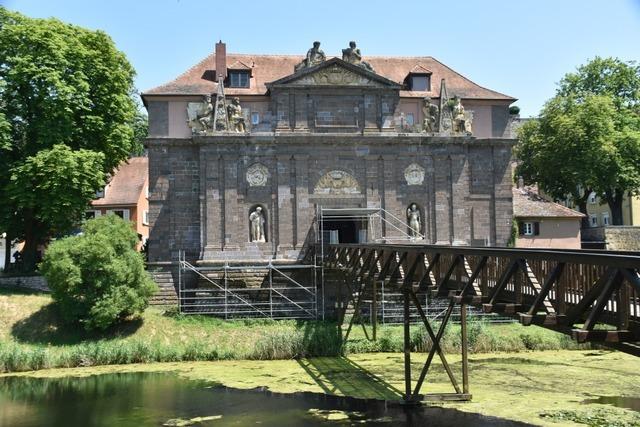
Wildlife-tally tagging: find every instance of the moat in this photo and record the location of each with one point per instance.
(154, 399)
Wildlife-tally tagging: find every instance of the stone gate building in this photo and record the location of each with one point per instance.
(245, 150)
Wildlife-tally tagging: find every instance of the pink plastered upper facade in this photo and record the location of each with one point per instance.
(489, 109)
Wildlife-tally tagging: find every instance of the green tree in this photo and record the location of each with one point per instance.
(60, 85)
(587, 137)
(98, 278)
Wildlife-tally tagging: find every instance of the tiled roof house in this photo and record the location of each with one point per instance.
(126, 195)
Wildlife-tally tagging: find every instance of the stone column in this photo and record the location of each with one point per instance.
(442, 189)
(232, 216)
(459, 193)
(304, 211)
(284, 205)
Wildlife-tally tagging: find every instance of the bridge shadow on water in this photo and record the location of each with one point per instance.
(340, 375)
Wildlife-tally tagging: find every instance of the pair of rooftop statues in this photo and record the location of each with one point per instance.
(315, 56)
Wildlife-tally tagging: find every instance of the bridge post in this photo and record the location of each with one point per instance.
(407, 346)
(465, 349)
(374, 309)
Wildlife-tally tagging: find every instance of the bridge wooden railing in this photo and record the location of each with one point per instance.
(594, 296)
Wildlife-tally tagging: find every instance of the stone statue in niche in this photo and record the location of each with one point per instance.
(414, 174)
(413, 220)
(315, 56)
(257, 175)
(236, 119)
(256, 224)
(352, 55)
(430, 116)
(200, 116)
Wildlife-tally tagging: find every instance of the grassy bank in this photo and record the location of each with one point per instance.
(32, 337)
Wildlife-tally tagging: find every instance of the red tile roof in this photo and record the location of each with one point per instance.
(126, 184)
(527, 203)
(199, 79)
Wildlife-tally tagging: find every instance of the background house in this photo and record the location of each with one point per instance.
(126, 195)
(543, 223)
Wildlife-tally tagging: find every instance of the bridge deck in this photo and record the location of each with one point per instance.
(594, 296)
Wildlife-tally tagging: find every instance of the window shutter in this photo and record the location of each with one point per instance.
(520, 228)
(536, 228)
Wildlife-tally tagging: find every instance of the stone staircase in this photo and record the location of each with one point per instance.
(167, 294)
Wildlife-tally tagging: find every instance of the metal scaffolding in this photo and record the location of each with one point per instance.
(279, 296)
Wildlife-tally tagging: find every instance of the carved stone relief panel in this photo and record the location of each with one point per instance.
(337, 182)
(257, 175)
(335, 75)
(414, 174)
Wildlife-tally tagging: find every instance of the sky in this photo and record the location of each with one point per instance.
(520, 48)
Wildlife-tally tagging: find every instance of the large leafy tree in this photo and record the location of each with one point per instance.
(587, 137)
(66, 120)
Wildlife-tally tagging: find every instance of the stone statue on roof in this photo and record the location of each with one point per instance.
(352, 55)
(430, 116)
(315, 56)
(200, 116)
(236, 119)
(461, 118)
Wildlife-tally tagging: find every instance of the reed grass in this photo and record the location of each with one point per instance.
(33, 337)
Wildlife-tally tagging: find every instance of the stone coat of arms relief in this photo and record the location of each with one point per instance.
(337, 182)
(414, 174)
(257, 175)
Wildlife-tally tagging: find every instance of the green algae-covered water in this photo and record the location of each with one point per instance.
(156, 399)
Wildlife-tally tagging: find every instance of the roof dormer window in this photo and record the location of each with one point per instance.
(420, 82)
(419, 79)
(239, 74)
(238, 79)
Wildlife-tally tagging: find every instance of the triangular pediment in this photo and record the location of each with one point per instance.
(335, 72)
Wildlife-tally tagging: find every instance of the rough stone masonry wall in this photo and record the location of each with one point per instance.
(615, 237)
(622, 238)
(200, 199)
(37, 283)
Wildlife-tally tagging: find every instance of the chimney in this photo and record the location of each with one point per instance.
(520, 182)
(221, 60)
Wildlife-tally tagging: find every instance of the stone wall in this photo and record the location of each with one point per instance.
(615, 238)
(38, 283)
(200, 198)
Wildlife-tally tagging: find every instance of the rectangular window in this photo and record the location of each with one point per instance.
(92, 214)
(100, 194)
(238, 79)
(145, 218)
(122, 213)
(593, 220)
(529, 228)
(592, 198)
(255, 118)
(409, 119)
(336, 111)
(420, 83)
(605, 218)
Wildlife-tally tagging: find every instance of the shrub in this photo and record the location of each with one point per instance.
(97, 278)
(514, 110)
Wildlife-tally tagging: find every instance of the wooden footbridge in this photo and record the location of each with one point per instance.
(593, 296)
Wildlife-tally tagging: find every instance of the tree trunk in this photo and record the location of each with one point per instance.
(581, 202)
(7, 253)
(582, 207)
(31, 239)
(614, 200)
